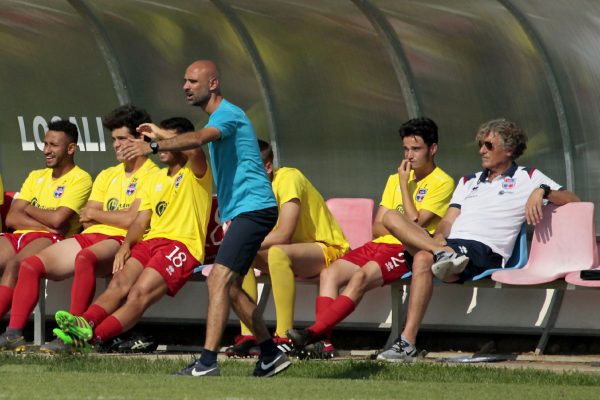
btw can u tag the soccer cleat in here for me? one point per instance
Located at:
(447, 264)
(196, 368)
(243, 346)
(283, 344)
(137, 344)
(56, 346)
(300, 338)
(12, 342)
(323, 349)
(74, 324)
(401, 351)
(75, 344)
(269, 366)
(110, 346)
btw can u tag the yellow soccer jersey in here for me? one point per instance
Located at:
(431, 193)
(315, 224)
(180, 207)
(117, 191)
(70, 190)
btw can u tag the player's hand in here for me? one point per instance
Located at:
(404, 171)
(533, 207)
(135, 148)
(121, 257)
(85, 215)
(152, 131)
(440, 241)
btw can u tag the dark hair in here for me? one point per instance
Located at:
(178, 124)
(423, 127)
(69, 129)
(126, 115)
(512, 136)
(266, 151)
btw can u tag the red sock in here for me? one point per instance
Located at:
(321, 305)
(27, 291)
(95, 315)
(339, 309)
(109, 328)
(6, 295)
(84, 283)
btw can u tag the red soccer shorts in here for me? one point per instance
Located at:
(86, 240)
(389, 257)
(20, 240)
(170, 258)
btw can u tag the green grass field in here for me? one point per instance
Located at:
(110, 377)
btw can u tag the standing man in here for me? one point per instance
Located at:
(110, 210)
(245, 198)
(306, 240)
(421, 192)
(44, 212)
(481, 226)
(174, 212)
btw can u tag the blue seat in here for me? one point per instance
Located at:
(517, 259)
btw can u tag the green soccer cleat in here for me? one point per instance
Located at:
(74, 325)
(74, 343)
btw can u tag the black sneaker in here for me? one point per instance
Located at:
(12, 342)
(196, 368)
(269, 366)
(137, 344)
(110, 346)
(300, 338)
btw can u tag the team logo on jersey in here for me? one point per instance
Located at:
(131, 188)
(112, 204)
(420, 195)
(178, 180)
(59, 191)
(400, 209)
(509, 183)
(161, 207)
(34, 202)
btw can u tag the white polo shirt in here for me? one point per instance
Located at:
(492, 212)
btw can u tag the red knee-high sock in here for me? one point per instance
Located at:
(109, 328)
(95, 315)
(339, 309)
(6, 295)
(27, 291)
(84, 283)
(321, 305)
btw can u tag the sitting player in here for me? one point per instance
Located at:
(421, 191)
(306, 240)
(176, 208)
(43, 212)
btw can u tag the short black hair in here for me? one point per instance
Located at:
(423, 127)
(126, 115)
(69, 129)
(178, 124)
(266, 151)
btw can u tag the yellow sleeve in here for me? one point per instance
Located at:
(26, 193)
(438, 197)
(100, 186)
(78, 193)
(145, 193)
(387, 199)
(289, 186)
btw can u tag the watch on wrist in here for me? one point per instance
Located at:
(154, 147)
(546, 189)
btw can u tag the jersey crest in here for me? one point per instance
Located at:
(178, 180)
(131, 188)
(509, 183)
(420, 195)
(59, 191)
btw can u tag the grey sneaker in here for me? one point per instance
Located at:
(56, 346)
(446, 264)
(12, 342)
(401, 351)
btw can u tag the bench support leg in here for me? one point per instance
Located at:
(550, 319)
(39, 317)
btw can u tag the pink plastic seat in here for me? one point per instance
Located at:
(355, 216)
(563, 242)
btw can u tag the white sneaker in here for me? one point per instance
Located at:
(447, 264)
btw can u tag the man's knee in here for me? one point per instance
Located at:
(359, 281)
(422, 262)
(139, 296)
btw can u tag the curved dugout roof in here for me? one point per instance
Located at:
(329, 81)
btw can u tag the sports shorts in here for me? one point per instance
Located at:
(20, 240)
(86, 240)
(330, 253)
(391, 258)
(481, 257)
(170, 258)
(243, 238)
